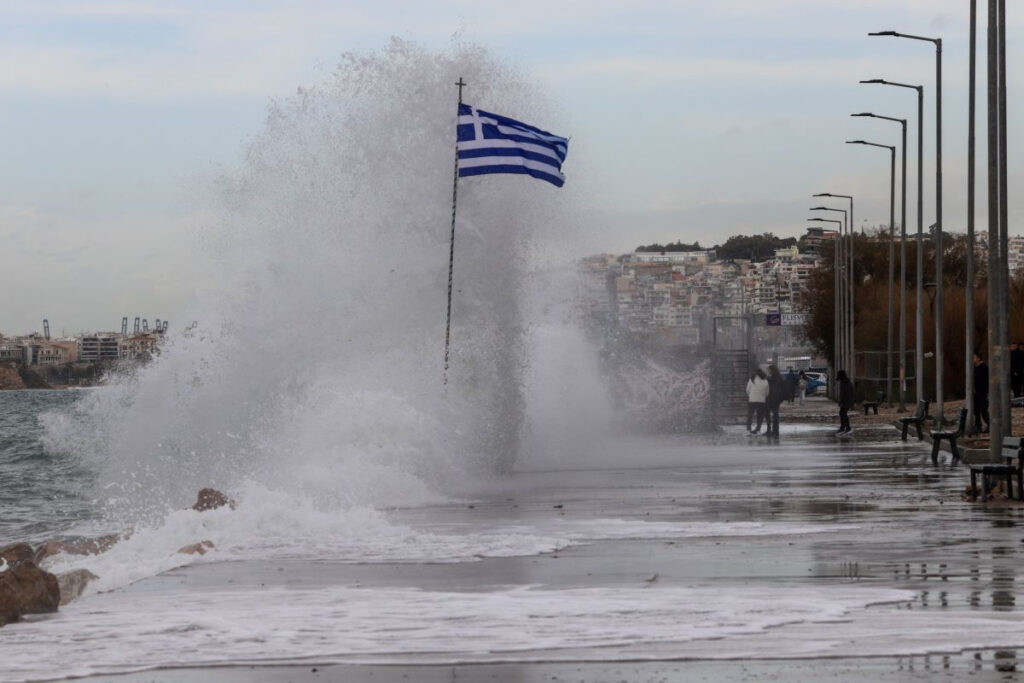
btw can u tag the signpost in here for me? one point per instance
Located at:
(785, 319)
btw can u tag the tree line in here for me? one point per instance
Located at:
(753, 247)
(871, 299)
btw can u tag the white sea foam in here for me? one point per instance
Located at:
(166, 627)
(270, 524)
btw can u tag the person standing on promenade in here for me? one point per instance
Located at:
(845, 401)
(776, 395)
(980, 393)
(801, 385)
(1016, 368)
(790, 379)
(757, 394)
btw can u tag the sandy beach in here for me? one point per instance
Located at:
(721, 558)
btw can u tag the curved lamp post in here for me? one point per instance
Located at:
(843, 286)
(919, 316)
(903, 260)
(937, 42)
(838, 310)
(839, 317)
(836, 305)
(892, 218)
(851, 281)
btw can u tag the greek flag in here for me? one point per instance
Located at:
(489, 143)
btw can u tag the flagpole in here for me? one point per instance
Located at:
(451, 248)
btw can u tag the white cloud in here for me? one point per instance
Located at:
(652, 71)
(82, 274)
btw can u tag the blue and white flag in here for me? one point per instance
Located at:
(489, 143)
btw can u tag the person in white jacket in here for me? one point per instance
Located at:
(757, 396)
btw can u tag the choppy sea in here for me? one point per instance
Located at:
(43, 493)
(648, 548)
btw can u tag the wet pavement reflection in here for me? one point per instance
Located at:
(919, 533)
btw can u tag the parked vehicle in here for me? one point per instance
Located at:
(816, 381)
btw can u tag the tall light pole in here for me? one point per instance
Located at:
(919, 317)
(841, 316)
(837, 355)
(998, 288)
(836, 309)
(969, 294)
(852, 280)
(839, 309)
(892, 220)
(937, 42)
(903, 263)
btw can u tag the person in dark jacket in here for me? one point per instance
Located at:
(845, 401)
(1016, 368)
(980, 393)
(791, 385)
(776, 395)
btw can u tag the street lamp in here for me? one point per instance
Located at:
(851, 281)
(841, 289)
(892, 219)
(919, 317)
(938, 208)
(838, 299)
(903, 260)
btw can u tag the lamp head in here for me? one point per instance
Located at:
(876, 80)
(822, 194)
(856, 142)
(884, 33)
(863, 113)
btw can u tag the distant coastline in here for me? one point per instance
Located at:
(16, 376)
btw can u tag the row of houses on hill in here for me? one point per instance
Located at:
(37, 350)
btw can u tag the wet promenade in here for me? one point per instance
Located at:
(805, 558)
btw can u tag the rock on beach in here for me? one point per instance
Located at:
(24, 587)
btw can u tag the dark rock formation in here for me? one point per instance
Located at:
(211, 499)
(32, 378)
(72, 584)
(24, 587)
(88, 546)
(10, 378)
(196, 548)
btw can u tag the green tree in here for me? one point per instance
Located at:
(678, 245)
(754, 247)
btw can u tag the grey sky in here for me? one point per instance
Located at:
(689, 120)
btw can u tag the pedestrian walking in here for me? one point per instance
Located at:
(757, 394)
(980, 393)
(845, 401)
(801, 384)
(776, 395)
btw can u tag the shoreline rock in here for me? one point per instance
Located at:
(24, 587)
(72, 584)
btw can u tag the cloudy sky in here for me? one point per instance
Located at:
(690, 120)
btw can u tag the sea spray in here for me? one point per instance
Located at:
(316, 371)
(568, 415)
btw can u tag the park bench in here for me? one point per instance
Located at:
(940, 436)
(879, 397)
(917, 419)
(1013, 466)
